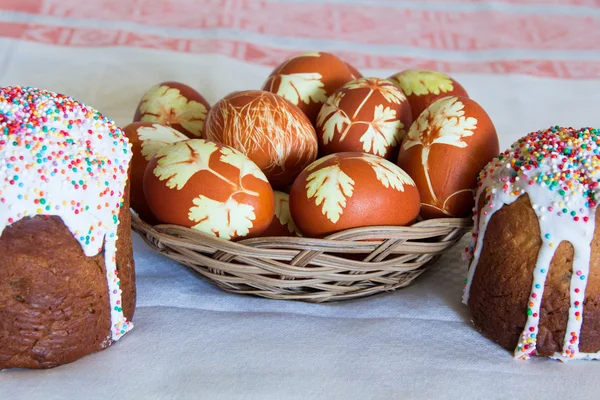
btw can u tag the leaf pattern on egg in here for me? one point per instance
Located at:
(155, 137)
(330, 186)
(235, 158)
(166, 105)
(332, 119)
(389, 174)
(390, 92)
(383, 132)
(421, 82)
(320, 161)
(222, 219)
(443, 122)
(179, 162)
(305, 87)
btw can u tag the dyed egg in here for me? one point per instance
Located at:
(308, 79)
(176, 105)
(444, 150)
(349, 190)
(368, 114)
(209, 187)
(282, 224)
(423, 87)
(146, 140)
(268, 129)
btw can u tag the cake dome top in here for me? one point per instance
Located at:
(564, 162)
(60, 157)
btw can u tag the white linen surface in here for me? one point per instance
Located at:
(192, 340)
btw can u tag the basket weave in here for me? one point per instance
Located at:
(349, 264)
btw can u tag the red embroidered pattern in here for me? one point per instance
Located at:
(391, 31)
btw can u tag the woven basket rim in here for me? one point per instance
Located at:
(424, 228)
(352, 263)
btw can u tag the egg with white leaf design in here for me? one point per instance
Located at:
(444, 150)
(367, 114)
(349, 190)
(308, 79)
(146, 139)
(176, 105)
(423, 87)
(209, 187)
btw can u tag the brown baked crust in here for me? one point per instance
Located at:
(125, 263)
(54, 303)
(502, 283)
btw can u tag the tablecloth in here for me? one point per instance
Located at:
(530, 64)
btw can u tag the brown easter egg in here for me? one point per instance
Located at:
(367, 114)
(209, 187)
(349, 190)
(176, 105)
(271, 131)
(146, 140)
(423, 87)
(444, 151)
(308, 79)
(282, 224)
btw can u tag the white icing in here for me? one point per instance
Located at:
(527, 341)
(555, 227)
(577, 356)
(47, 179)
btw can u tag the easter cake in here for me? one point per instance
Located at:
(67, 281)
(534, 281)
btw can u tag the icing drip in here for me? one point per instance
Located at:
(559, 169)
(61, 158)
(528, 339)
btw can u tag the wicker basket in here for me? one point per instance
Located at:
(349, 264)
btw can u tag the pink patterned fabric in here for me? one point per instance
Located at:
(558, 39)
